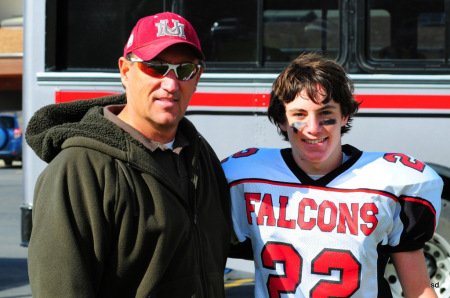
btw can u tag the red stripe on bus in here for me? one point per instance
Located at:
(199, 99)
(396, 101)
(230, 100)
(248, 100)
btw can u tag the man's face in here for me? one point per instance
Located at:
(156, 105)
(316, 143)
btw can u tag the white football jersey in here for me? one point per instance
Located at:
(331, 236)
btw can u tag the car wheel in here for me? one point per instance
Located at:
(8, 162)
(437, 256)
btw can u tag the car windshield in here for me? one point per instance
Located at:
(6, 122)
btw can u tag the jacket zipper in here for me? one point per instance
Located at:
(196, 228)
(192, 211)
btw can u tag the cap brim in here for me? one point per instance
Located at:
(151, 50)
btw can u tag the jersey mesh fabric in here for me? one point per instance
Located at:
(310, 239)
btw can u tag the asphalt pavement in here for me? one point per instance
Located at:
(14, 282)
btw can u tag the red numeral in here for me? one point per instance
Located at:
(341, 260)
(245, 153)
(346, 264)
(406, 160)
(274, 253)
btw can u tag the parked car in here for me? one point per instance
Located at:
(10, 137)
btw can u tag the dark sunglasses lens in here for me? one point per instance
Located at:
(161, 69)
(155, 71)
(186, 71)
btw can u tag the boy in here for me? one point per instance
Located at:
(323, 218)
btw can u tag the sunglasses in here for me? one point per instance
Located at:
(156, 69)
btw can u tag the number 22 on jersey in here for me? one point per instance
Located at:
(326, 261)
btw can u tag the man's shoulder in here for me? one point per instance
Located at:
(81, 158)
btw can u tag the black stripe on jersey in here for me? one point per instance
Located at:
(415, 234)
(384, 290)
(324, 188)
(410, 206)
(304, 178)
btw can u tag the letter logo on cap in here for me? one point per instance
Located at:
(164, 29)
(130, 41)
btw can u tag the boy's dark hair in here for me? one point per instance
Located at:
(306, 72)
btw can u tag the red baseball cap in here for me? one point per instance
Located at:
(153, 34)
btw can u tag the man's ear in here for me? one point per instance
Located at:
(124, 67)
(197, 78)
(283, 126)
(199, 75)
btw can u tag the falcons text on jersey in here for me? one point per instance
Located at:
(330, 236)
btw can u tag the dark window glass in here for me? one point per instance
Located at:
(227, 30)
(405, 30)
(258, 35)
(294, 27)
(91, 35)
(264, 33)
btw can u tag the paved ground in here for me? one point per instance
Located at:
(14, 281)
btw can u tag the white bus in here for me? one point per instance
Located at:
(397, 53)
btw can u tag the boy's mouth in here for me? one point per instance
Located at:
(314, 141)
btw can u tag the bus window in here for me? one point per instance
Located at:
(258, 35)
(227, 29)
(431, 34)
(287, 33)
(90, 35)
(402, 31)
(264, 33)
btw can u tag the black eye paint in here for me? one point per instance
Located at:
(298, 125)
(328, 122)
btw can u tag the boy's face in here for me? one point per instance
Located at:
(316, 140)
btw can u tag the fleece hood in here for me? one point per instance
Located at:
(81, 123)
(51, 126)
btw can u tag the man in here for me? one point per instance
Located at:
(134, 202)
(323, 218)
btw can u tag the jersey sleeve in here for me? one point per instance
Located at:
(417, 213)
(238, 213)
(237, 167)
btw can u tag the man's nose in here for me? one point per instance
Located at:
(170, 81)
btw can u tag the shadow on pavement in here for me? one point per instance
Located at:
(13, 273)
(242, 291)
